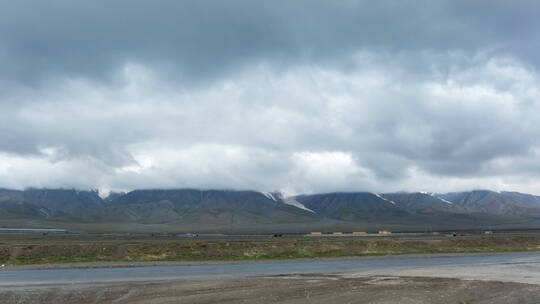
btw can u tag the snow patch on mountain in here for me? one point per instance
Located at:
(269, 196)
(448, 202)
(286, 199)
(442, 199)
(290, 200)
(384, 199)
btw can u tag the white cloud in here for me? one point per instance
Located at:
(374, 127)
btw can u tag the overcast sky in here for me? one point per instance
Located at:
(299, 96)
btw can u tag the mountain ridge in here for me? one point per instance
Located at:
(201, 208)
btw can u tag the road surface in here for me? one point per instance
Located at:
(519, 267)
(508, 278)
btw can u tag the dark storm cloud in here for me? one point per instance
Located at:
(203, 39)
(301, 95)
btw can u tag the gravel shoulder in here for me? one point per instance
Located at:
(291, 289)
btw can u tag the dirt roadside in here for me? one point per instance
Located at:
(286, 289)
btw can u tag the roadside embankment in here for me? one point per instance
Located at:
(56, 249)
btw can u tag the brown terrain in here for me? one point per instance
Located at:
(288, 289)
(25, 249)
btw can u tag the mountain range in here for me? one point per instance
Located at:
(253, 211)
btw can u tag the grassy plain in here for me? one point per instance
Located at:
(45, 249)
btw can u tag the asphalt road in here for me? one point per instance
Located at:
(518, 267)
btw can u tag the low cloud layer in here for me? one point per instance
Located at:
(294, 96)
